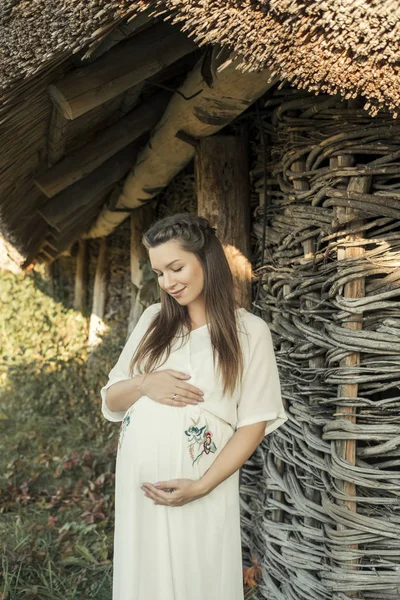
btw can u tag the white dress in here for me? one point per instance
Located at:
(191, 552)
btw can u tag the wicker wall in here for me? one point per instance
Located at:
(320, 497)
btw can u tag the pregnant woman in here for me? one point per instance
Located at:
(196, 388)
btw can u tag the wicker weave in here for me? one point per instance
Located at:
(309, 543)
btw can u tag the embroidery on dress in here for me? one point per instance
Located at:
(200, 440)
(125, 422)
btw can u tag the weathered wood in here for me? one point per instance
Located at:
(102, 146)
(76, 225)
(84, 192)
(80, 277)
(200, 109)
(57, 136)
(223, 197)
(346, 449)
(96, 325)
(126, 65)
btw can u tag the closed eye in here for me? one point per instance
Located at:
(175, 271)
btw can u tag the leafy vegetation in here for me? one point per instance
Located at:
(57, 454)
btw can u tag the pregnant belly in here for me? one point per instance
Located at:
(159, 442)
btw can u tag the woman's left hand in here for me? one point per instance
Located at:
(183, 491)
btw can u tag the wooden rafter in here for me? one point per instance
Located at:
(83, 193)
(101, 147)
(124, 66)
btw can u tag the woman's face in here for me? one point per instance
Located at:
(177, 271)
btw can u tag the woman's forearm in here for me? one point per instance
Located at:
(234, 454)
(121, 395)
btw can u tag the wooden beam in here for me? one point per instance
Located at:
(124, 66)
(223, 197)
(102, 146)
(80, 276)
(57, 137)
(200, 109)
(76, 226)
(82, 194)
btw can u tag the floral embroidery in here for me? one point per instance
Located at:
(200, 440)
(125, 422)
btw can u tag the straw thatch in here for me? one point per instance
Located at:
(332, 46)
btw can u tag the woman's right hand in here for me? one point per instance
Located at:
(161, 385)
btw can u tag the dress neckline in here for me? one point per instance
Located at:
(206, 324)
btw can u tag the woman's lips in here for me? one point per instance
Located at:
(178, 293)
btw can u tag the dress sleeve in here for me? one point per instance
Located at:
(260, 394)
(120, 371)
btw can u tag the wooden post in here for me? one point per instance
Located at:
(80, 277)
(96, 325)
(141, 277)
(346, 449)
(223, 197)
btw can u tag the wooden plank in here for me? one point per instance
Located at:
(124, 66)
(101, 147)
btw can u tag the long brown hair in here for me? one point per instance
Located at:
(194, 234)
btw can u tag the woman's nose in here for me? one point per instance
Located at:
(168, 282)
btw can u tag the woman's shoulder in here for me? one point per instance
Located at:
(152, 309)
(148, 314)
(254, 327)
(253, 321)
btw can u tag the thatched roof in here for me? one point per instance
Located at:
(334, 46)
(56, 56)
